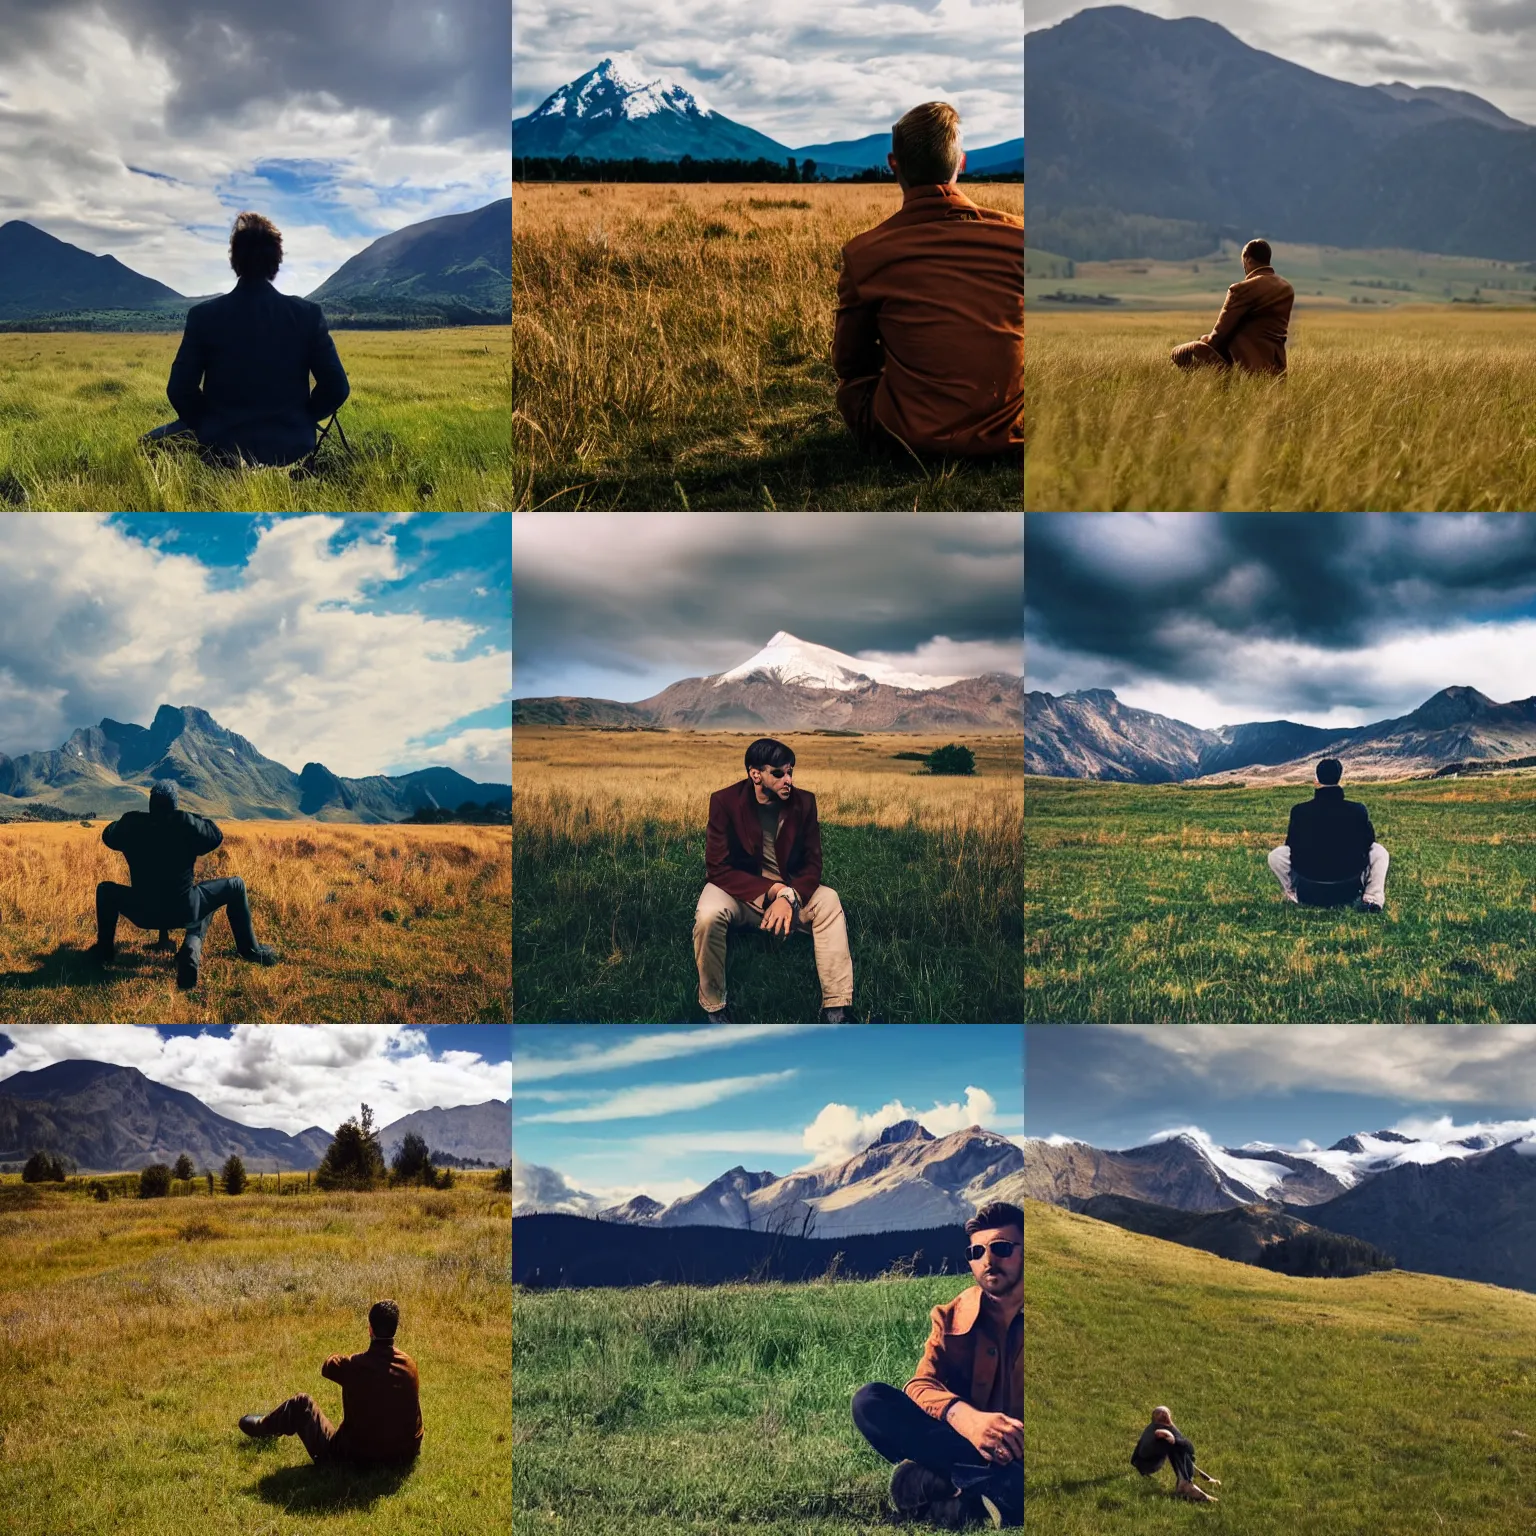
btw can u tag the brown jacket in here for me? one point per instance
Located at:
(1250, 330)
(931, 302)
(380, 1403)
(967, 1359)
(733, 845)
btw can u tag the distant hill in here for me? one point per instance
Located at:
(479, 1131)
(41, 275)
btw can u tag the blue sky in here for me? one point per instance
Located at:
(1118, 1086)
(663, 1111)
(369, 644)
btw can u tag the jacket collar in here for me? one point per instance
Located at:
(1259, 272)
(1328, 792)
(948, 194)
(751, 803)
(967, 1309)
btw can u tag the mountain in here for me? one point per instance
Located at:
(870, 152)
(1090, 734)
(479, 1131)
(994, 159)
(40, 275)
(639, 1209)
(1178, 119)
(454, 270)
(792, 684)
(109, 768)
(110, 1118)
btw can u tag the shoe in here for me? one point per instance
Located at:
(102, 956)
(164, 945)
(914, 1486)
(720, 1016)
(1195, 1495)
(263, 954)
(186, 970)
(1370, 906)
(251, 1424)
(835, 1016)
(955, 1514)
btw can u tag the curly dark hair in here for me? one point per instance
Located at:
(255, 247)
(384, 1319)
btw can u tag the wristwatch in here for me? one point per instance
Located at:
(791, 896)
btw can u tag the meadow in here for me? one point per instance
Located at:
(374, 924)
(608, 864)
(672, 348)
(135, 1333)
(661, 1410)
(427, 419)
(1396, 1403)
(1414, 409)
(1154, 904)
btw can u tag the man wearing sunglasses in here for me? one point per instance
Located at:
(762, 862)
(957, 1433)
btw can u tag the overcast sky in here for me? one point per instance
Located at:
(287, 1077)
(139, 129)
(1331, 619)
(610, 1113)
(614, 606)
(1123, 1085)
(801, 71)
(1487, 47)
(368, 644)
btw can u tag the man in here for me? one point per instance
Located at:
(240, 383)
(762, 865)
(929, 340)
(1161, 1441)
(380, 1404)
(161, 846)
(957, 1433)
(1330, 856)
(1250, 330)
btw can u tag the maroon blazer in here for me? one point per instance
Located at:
(733, 846)
(380, 1403)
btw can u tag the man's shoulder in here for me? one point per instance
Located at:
(729, 793)
(959, 1315)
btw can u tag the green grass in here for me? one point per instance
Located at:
(427, 417)
(1398, 1404)
(602, 928)
(131, 1342)
(1153, 903)
(658, 1411)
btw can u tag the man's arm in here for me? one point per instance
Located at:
(331, 386)
(718, 869)
(112, 835)
(1370, 831)
(1233, 313)
(857, 351)
(335, 1369)
(185, 389)
(809, 878)
(1290, 831)
(204, 835)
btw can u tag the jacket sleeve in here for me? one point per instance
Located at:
(185, 390)
(1290, 831)
(809, 877)
(335, 1369)
(205, 835)
(927, 1388)
(1370, 831)
(331, 386)
(857, 351)
(1233, 313)
(718, 869)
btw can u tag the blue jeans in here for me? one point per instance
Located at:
(900, 1431)
(114, 901)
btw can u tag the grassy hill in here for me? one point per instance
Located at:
(1153, 903)
(1395, 1403)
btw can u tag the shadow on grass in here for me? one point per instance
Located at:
(67, 965)
(1079, 1484)
(309, 1486)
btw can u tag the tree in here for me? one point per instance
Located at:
(952, 759)
(354, 1159)
(208, 1174)
(502, 1183)
(413, 1161)
(234, 1175)
(807, 170)
(43, 1168)
(792, 176)
(183, 1168)
(155, 1182)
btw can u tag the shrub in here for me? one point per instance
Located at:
(43, 1168)
(502, 1183)
(183, 1168)
(155, 1182)
(234, 1175)
(952, 760)
(444, 1179)
(99, 1191)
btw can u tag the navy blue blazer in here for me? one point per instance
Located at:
(241, 377)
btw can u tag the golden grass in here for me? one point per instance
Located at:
(1422, 409)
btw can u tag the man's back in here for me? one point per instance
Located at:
(252, 352)
(161, 849)
(1254, 322)
(380, 1403)
(933, 300)
(1329, 836)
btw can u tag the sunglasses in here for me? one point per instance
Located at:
(780, 773)
(998, 1250)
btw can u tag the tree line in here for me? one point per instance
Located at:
(642, 168)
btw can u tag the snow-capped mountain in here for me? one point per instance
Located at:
(789, 659)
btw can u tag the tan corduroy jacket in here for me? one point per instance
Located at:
(1251, 329)
(968, 1359)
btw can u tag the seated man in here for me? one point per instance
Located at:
(929, 339)
(958, 1432)
(762, 862)
(240, 382)
(1161, 1441)
(161, 846)
(380, 1404)
(1330, 856)
(1250, 331)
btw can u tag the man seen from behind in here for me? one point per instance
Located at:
(1330, 856)
(1251, 329)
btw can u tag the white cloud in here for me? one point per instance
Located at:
(662, 1099)
(483, 753)
(839, 1131)
(641, 1050)
(943, 657)
(285, 1076)
(536, 1187)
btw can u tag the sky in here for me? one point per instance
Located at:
(140, 129)
(1483, 46)
(368, 644)
(1125, 1085)
(613, 606)
(1330, 619)
(287, 1077)
(611, 1113)
(801, 71)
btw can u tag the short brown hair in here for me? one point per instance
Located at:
(255, 247)
(1258, 252)
(926, 143)
(384, 1319)
(998, 1214)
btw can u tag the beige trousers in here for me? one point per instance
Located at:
(821, 917)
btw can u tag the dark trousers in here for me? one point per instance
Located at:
(301, 1416)
(900, 1431)
(114, 901)
(1180, 1456)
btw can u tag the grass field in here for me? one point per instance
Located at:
(663, 1410)
(374, 924)
(672, 349)
(1395, 1403)
(1417, 409)
(427, 417)
(608, 863)
(1154, 904)
(134, 1334)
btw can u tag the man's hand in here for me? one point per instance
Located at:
(1166, 1434)
(779, 916)
(998, 1437)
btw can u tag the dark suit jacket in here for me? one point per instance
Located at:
(1329, 836)
(733, 845)
(1251, 329)
(161, 850)
(380, 1403)
(241, 378)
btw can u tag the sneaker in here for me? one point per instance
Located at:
(835, 1016)
(263, 954)
(720, 1016)
(956, 1514)
(914, 1486)
(102, 956)
(186, 970)
(1370, 906)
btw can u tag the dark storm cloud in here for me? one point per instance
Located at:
(1506, 16)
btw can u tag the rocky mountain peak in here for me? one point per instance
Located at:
(903, 1130)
